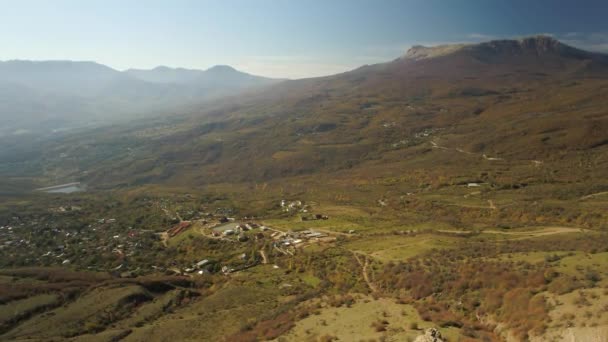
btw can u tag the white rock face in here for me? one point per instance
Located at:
(419, 52)
(430, 335)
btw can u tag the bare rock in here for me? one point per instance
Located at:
(430, 335)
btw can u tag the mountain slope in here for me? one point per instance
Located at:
(505, 113)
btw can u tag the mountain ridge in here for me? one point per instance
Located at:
(165, 74)
(539, 45)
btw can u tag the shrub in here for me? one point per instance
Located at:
(379, 326)
(593, 276)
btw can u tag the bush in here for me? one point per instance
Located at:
(593, 276)
(379, 326)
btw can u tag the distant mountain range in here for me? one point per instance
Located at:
(217, 76)
(55, 95)
(534, 99)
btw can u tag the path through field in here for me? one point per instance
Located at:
(594, 195)
(545, 231)
(364, 266)
(264, 258)
(526, 234)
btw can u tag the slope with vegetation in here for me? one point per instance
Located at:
(459, 187)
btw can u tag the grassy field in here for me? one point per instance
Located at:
(398, 247)
(366, 320)
(582, 314)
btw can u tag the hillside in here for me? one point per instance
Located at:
(523, 117)
(455, 187)
(488, 99)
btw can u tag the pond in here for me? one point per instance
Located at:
(64, 188)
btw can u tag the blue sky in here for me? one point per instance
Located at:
(279, 38)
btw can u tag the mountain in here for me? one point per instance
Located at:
(57, 95)
(61, 77)
(534, 102)
(530, 99)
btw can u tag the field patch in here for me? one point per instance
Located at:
(400, 247)
(367, 319)
(581, 315)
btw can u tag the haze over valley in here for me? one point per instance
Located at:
(42, 97)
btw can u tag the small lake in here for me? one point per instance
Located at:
(64, 188)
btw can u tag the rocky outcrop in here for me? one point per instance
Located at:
(505, 48)
(418, 52)
(430, 335)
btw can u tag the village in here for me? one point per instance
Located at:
(107, 244)
(101, 245)
(230, 229)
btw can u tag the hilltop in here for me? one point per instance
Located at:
(539, 46)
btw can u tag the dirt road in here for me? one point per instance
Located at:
(526, 234)
(364, 266)
(264, 258)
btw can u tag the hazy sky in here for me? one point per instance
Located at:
(278, 38)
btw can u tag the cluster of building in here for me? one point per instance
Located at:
(8, 237)
(204, 266)
(65, 209)
(51, 241)
(294, 206)
(295, 239)
(240, 228)
(427, 132)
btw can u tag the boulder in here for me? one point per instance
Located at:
(430, 335)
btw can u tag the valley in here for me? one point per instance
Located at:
(460, 188)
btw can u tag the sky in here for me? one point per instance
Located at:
(279, 38)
